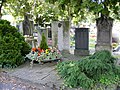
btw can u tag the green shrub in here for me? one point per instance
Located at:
(25, 48)
(12, 45)
(4, 22)
(43, 44)
(97, 70)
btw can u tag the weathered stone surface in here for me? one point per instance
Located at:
(54, 33)
(81, 41)
(104, 34)
(81, 52)
(44, 75)
(66, 35)
(60, 35)
(11, 83)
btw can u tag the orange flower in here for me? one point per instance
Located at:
(34, 49)
(39, 49)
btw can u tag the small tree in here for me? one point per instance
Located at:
(43, 44)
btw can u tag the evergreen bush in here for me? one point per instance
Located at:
(43, 44)
(97, 71)
(12, 45)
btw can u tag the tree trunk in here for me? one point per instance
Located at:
(104, 33)
(1, 4)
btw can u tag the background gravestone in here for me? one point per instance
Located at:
(66, 36)
(61, 35)
(104, 35)
(81, 41)
(54, 33)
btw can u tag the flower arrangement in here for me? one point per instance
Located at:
(39, 54)
(49, 54)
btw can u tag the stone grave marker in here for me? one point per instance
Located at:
(81, 41)
(60, 35)
(104, 35)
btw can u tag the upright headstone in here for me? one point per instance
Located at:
(81, 41)
(54, 33)
(60, 35)
(60, 42)
(66, 36)
(104, 34)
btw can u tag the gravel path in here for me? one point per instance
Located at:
(12, 83)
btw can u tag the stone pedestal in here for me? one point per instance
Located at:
(60, 35)
(31, 40)
(81, 41)
(104, 34)
(81, 52)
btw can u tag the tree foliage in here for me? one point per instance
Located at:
(37, 10)
(1, 5)
(18, 8)
(80, 7)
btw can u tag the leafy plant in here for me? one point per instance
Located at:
(43, 44)
(12, 45)
(96, 70)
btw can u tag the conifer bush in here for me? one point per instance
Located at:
(13, 47)
(43, 44)
(98, 70)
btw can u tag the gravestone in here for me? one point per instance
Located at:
(81, 41)
(60, 35)
(104, 34)
(66, 35)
